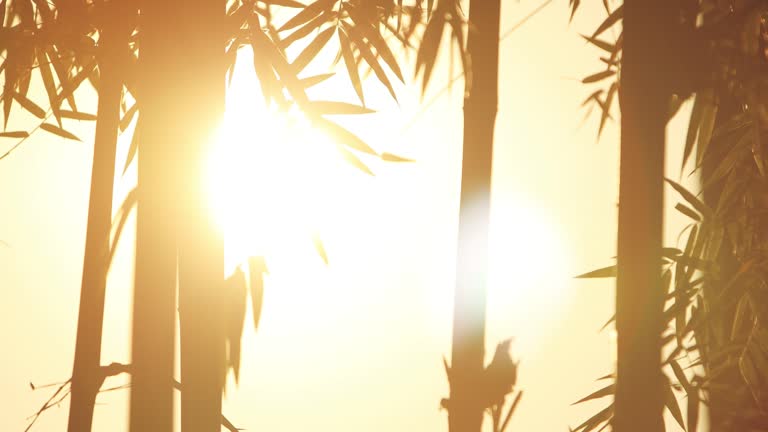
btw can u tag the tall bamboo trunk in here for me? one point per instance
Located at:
(480, 107)
(644, 99)
(86, 378)
(201, 246)
(154, 305)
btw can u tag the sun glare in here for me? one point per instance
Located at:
(270, 176)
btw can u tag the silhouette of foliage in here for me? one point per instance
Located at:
(715, 317)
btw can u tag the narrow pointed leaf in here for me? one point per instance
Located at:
(14, 134)
(58, 131)
(349, 62)
(612, 19)
(307, 14)
(389, 157)
(605, 272)
(77, 115)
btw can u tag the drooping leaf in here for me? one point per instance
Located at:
(315, 79)
(670, 401)
(14, 134)
(235, 294)
(30, 106)
(353, 160)
(128, 117)
(603, 392)
(369, 58)
(307, 14)
(596, 420)
(306, 29)
(336, 108)
(599, 76)
(606, 46)
(612, 19)
(320, 248)
(342, 136)
(284, 3)
(389, 157)
(50, 86)
(257, 268)
(311, 51)
(426, 57)
(605, 272)
(58, 131)
(77, 115)
(133, 148)
(349, 62)
(368, 31)
(691, 198)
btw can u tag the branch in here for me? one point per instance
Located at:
(113, 369)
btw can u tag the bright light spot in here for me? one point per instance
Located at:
(271, 176)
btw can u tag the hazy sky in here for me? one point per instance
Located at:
(358, 345)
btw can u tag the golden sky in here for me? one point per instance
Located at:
(357, 345)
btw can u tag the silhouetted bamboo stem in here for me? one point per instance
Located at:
(86, 368)
(201, 246)
(154, 306)
(480, 106)
(644, 98)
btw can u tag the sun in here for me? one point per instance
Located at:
(271, 175)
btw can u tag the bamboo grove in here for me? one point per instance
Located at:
(690, 318)
(708, 294)
(144, 74)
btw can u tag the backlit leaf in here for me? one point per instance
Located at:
(14, 134)
(58, 131)
(349, 62)
(612, 19)
(307, 14)
(605, 272)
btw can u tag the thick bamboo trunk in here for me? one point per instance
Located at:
(644, 97)
(201, 246)
(154, 308)
(480, 106)
(86, 378)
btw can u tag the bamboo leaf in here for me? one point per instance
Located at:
(671, 403)
(257, 268)
(603, 45)
(14, 134)
(354, 160)
(336, 108)
(612, 19)
(369, 58)
(77, 115)
(374, 37)
(691, 198)
(349, 62)
(603, 392)
(342, 136)
(599, 76)
(50, 86)
(684, 209)
(133, 148)
(58, 131)
(605, 272)
(426, 56)
(306, 29)
(30, 106)
(320, 248)
(389, 157)
(311, 51)
(128, 117)
(307, 14)
(284, 3)
(594, 421)
(315, 80)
